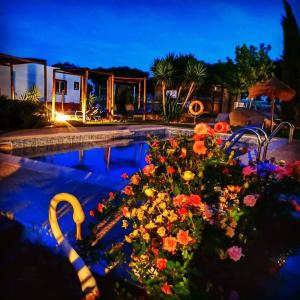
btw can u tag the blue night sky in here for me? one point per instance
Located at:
(123, 32)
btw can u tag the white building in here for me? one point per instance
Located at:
(27, 75)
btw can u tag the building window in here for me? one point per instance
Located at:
(60, 86)
(76, 85)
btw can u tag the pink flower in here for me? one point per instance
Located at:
(250, 200)
(248, 171)
(235, 253)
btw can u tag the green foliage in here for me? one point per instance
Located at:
(21, 114)
(33, 94)
(172, 109)
(91, 100)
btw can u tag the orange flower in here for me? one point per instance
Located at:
(199, 137)
(179, 200)
(194, 200)
(174, 143)
(148, 158)
(161, 263)
(182, 211)
(124, 176)
(201, 128)
(125, 211)
(128, 190)
(221, 127)
(183, 152)
(169, 244)
(166, 289)
(199, 147)
(162, 159)
(183, 237)
(135, 179)
(100, 207)
(149, 170)
(170, 170)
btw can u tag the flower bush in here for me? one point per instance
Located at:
(192, 199)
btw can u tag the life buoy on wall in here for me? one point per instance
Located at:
(196, 108)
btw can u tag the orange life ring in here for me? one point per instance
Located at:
(193, 108)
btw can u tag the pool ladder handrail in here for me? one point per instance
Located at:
(275, 131)
(236, 136)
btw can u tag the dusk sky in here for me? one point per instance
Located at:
(132, 33)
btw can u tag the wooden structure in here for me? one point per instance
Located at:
(140, 81)
(10, 61)
(86, 74)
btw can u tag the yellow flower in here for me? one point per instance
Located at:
(128, 239)
(140, 214)
(162, 205)
(200, 174)
(151, 210)
(133, 212)
(188, 175)
(146, 237)
(135, 233)
(124, 224)
(149, 192)
(165, 213)
(172, 217)
(159, 219)
(144, 207)
(246, 185)
(162, 196)
(150, 225)
(161, 231)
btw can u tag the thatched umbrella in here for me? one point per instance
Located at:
(274, 89)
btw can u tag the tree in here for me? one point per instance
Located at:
(163, 72)
(291, 63)
(194, 75)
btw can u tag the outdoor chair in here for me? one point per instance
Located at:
(90, 114)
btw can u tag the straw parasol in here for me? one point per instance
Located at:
(274, 89)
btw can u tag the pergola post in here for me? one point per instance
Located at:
(53, 96)
(145, 97)
(112, 95)
(108, 91)
(46, 89)
(12, 82)
(84, 99)
(139, 96)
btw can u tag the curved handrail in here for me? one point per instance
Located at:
(275, 131)
(240, 132)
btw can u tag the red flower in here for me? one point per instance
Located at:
(111, 195)
(161, 263)
(194, 200)
(170, 170)
(92, 213)
(135, 179)
(166, 289)
(125, 211)
(225, 171)
(182, 211)
(100, 207)
(148, 158)
(154, 144)
(124, 176)
(199, 137)
(219, 141)
(199, 147)
(295, 205)
(149, 170)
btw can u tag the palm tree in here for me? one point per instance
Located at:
(194, 75)
(163, 71)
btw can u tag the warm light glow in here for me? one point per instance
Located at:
(61, 117)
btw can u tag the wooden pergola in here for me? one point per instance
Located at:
(139, 81)
(10, 61)
(84, 74)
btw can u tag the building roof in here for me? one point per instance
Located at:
(6, 59)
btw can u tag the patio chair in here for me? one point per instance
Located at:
(90, 114)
